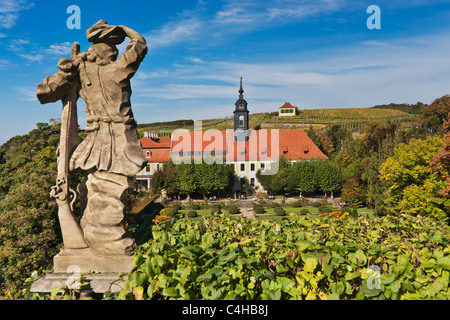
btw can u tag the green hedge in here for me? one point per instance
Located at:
(302, 257)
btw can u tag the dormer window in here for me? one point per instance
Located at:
(241, 106)
(149, 154)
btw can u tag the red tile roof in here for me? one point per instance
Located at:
(292, 144)
(287, 105)
(160, 142)
(159, 155)
(158, 147)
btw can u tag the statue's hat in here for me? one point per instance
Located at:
(103, 32)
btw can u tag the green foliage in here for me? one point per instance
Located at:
(171, 212)
(354, 212)
(413, 188)
(195, 206)
(204, 178)
(279, 211)
(316, 204)
(325, 209)
(304, 211)
(258, 209)
(192, 214)
(29, 230)
(295, 204)
(432, 117)
(215, 208)
(233, 209)
(297, 258)
(316, 175)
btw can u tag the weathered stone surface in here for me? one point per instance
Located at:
(99, 283)
(110, 155)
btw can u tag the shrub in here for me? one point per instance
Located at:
(274, 205)
(233, 209)
(325, 209)
(195, 206)
(258, 209)
(280, 211)
(171, 212)
(192, 214)
(295, 204)
(216, 208)
(316, 204)
(346, 209)
(355, 212)
(304, 211)
(176, 206)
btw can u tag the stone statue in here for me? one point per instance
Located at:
(110, 155)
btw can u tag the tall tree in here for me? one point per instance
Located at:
(441, 161)
(433, 116)
(411, 186)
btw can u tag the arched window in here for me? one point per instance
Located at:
(149, 154)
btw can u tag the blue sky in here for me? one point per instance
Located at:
(312, 53)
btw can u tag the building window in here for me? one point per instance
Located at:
(252, 167)
(147, 168)
(241, 121)
(263, 166)
(157, 167)
(242, 181)
(149, 154)
(242, 166)
(252, 182)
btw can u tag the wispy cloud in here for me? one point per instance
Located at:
(18, 44)
(10, 11)
(33, 57)
(236, 17)
(59, 49)
(26, 93)
(359, 75)
(175, 33)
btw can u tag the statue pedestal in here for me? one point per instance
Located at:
(71, 264)
(98, 283)
(85, 260)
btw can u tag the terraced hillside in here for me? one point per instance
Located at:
(353, 118)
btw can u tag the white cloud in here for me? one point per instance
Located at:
(236, 17)
(174, 33)
(360, 75)
(10, 11)
(59, 49)
(33, 57)
(4, 63)
(17, 44)
(26, 93)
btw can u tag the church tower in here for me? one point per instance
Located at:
(241, 112)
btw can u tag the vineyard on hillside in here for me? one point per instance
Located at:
(350, 118)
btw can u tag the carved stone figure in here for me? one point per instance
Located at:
(110, 155)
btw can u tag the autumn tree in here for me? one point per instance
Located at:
(432, 117)
(412, 187)
(441, 161)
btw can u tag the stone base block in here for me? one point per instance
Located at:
(98, 283)
(84, 260)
